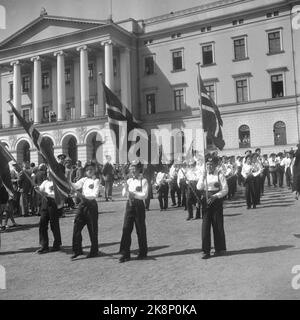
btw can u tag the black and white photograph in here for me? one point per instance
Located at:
(149, 151)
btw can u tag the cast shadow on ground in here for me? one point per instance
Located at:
(233, 215)
(228, 253)
(258, 250)
(65, 249)
(21, 227)
(297, 236)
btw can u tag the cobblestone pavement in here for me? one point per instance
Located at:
(263, 246)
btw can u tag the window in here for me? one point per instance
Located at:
(45, 114)
(11, 91)
(239, 48)
(279, 133)
(210, 88)
(92, 107)
(274, 40)
(26, 114)
(70, 111)
(150, 103)
(244, 136)
(115, 66)
(179, 99)
(25, 84)
(68, 76)
(277, 86)
(45, 80)
(177, 57)
(242, 90)
(149, 65)
(207, 54)
(11, 120)
(91, 71)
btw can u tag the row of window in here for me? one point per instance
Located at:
(241, 87)
(49, 116)
(279, 131)
(240, 52)
(26, 80)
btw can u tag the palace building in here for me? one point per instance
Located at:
(249, 52)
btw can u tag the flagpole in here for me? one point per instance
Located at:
(26, 174)
(203, 134)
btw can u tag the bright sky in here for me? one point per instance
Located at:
(21, 12)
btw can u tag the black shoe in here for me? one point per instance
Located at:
(173, 205)
(124, 259)
(92, 255)
(219, 253)
(42, 250)
(196, 218)
(188, 219)
(141, 257)
(206, 256)
(75, 255)
(248, 207)
(54, 249)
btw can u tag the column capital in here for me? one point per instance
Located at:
(16, 62)
(107, 42)
(84, 47)
(58, 53)
(36, 58)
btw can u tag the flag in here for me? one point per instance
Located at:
(5, 171)
(62, 187)
(212, 121)
(118, 115)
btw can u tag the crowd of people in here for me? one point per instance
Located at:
(194, 184)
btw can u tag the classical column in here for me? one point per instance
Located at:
(84, 81)
(37, 89)
(99, 67)
(126, 78)
(108, 62)
(16, 89)
(61, 85)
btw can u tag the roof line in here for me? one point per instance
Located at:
(49, 17)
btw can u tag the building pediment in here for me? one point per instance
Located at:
(47, 27)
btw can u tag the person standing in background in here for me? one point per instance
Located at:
(108, 176)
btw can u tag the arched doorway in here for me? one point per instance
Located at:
(23, 151)
(93, 143)
(279, 133)
(244, 136)
(69, 147)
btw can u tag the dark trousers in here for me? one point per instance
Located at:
(250, 191)
(288, 177)
(213, 217)
(50, 213)
(183, 191)
(108, 189)
(174, 189)
(257, 189)
(163, 192)
(134, 215)
(192, 199)
(86, 214)
(266, 174)
(231, 182)
(240, 178)
(280, 174)
(274, 177)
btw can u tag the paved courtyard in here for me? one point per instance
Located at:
(263, 246)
